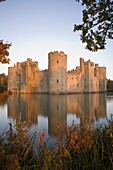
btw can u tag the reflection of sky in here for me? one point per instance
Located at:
(110, 106)
(42, 123)
(3, 117)
(38, 27)
(71, 118)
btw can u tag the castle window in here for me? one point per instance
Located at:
(72, 78)
(57, 61)
(57, 80)
(77, 85)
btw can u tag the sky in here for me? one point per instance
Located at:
(37, 27)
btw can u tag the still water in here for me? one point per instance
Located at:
(49, 111)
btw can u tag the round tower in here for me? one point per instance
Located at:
(57, 66)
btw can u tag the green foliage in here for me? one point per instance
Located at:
(4, 47)
(2, 0)
(97, 23)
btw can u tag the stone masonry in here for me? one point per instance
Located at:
(25, 77)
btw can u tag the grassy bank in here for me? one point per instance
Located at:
(76, 148)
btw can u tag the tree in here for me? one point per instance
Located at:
(2, 0)
(97, 23)
(4, 52)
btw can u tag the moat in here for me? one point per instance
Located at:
(49, 111)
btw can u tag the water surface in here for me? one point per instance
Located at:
(49, 111)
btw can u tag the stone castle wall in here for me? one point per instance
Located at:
(26, 77)
(57, 72)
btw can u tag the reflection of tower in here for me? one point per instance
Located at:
(27, 105)
(57, 72)
(102, 107)
(14, 107)
(57, 113)
(88, 103)
(87, 106)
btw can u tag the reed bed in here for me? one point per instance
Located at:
(76, 148)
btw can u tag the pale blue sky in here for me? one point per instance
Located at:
(36, 27)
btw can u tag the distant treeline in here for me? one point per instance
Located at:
(3, 82)
(110, 85)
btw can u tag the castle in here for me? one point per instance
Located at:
(25, 77)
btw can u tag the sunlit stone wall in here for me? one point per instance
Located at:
(13, 79)
(86, 78)
(25, 77)
(100, 73)
(57, 72)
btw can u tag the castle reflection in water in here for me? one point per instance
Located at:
(86, 107)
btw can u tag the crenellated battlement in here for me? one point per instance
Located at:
(57, 54)
(25, 77)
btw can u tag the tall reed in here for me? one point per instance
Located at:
(81, 148)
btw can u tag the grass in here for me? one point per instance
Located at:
(77, 148)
